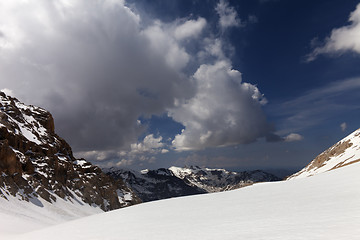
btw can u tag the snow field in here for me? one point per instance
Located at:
(325, 206)
(18, 216)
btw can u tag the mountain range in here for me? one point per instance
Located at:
(164, 183)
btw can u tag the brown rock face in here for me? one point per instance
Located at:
(8, 161)
(35, 162)
(334, 151)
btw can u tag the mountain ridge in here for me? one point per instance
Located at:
(164, 183)
(36, 163)
(343, 153)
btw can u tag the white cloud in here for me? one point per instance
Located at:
(149, 144)
(191, 28)
(292, 137)
(93, 64)
(224, 111)
(165, 44)
(139, 152)
(343, 126)
(342, 39)
(164, 151)
(98, 68)
(228, 15)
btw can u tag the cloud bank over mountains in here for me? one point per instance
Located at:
(98, 67)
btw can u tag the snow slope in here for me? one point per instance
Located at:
(325, 206)
(343, 153)
(21, 216)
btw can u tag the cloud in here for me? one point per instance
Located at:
(98, 67)
(343, 126)
(318, 106)
(341, 39)
(161, 41)
(93, 65)
(292, 137)
(142, 151)
(224, 111)
(228, 15)
(149, 144)
(190, 28)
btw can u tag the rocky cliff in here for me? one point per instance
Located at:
(36, 163)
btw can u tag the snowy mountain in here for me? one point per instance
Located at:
(38, 167)
(344, 152)
(164, 183)
(325, 206)
(217, 180)
(150, 185)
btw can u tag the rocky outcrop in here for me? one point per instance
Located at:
(343, 153)
(36, 163)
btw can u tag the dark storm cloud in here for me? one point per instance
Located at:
(98, 68)
(89, 64)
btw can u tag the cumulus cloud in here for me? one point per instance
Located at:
(142, 151)
(92, 64)
(228, 15)
(99, 68)
(161, 41)
(343, 126)
(224, 111)
(149, 144)
(342, 39)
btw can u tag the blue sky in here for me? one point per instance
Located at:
(233, 84)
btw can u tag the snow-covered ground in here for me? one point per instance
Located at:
(18, 217)
(324, 206)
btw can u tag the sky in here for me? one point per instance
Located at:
(246, 84)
